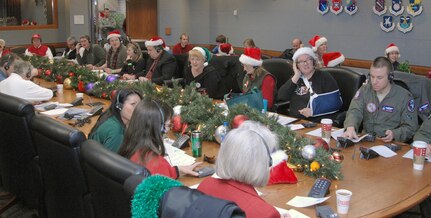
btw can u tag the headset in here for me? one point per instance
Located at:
(266, 146)
(162, 120)
(8, 62)
(391, 75)
(158, 48)
(118, 104)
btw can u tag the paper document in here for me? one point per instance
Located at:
(55, 112)
(176, 156)
(283, 120)
(299, 201)
(292, 212)
(383, 151)
(409, 155)
(295, 126)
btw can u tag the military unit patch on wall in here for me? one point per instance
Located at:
(405, 22)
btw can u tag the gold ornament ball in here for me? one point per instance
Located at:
(67, 83)
(337, 156)
(314, 166)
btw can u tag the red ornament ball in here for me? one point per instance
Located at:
(81, 86)
(59, 79)
(238, 120)
(319, 142)
(104, 95)
(48, 72)
(337, 156)
(177, 125)
(71, 74)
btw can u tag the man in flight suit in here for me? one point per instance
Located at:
(385, 109)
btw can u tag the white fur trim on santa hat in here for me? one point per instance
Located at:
(319, 42)
(391, 49)
(251, 61)
(278, 157)
(154, 43)
(202, 51)
(304, 50)
(336, 61)
(113, 35)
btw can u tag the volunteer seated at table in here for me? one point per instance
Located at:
(117, 53)
(110, 127)
(384, 109)
(143, 141)
(38, 49)
(204, 75)
(161, 65)
(92, 56)
(18, 84)
(239, 176)
(6, 65)
(135, 63)
(424, 134)
(256, 76)
(297, 89)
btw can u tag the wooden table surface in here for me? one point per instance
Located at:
(381, 187)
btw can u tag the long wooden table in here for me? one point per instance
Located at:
(381, 187)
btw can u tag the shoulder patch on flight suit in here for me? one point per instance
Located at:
(411, 106)
(423, 107)
(371, 107)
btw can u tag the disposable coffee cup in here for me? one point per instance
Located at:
(419, 152)
(326, 125)
(79, 95)
(60, 88)
(343, 200)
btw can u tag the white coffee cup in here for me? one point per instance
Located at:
(60, 88)
(326, 125)
(419, 152)
(343, 200)
(79, 95)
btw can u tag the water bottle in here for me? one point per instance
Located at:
(224, 130)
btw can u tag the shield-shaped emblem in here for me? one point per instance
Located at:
(351, 7)
(387, 24)
(323, 8)
(406, 24)
(380, 7)
(337, 6)
(397, 7)
(414, 8)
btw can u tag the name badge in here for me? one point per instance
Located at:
(389, 109)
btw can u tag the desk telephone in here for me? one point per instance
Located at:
(181, 142)
(320, 188)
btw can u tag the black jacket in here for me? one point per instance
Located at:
(209, 79)
(165, 69)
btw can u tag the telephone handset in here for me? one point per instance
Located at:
(181, 142)
(320, 188)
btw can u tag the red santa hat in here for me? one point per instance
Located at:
(317, 41)
(251, 57)
(157, 41)
(225, 49)
(332, 59)
(280, 172)
(304, 50)
(115, 33)
(392, 47)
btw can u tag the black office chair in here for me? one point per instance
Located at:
(111, 179)
(65, 190)
(182, 62)
(230, 70)
(348, 82)
(282, 71)
(19, 169)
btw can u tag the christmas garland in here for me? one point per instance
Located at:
(195, 111)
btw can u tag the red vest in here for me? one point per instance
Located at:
(41, 51)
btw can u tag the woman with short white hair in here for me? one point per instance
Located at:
(243, 163)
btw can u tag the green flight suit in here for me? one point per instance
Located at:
(396, 112)
(424, 132)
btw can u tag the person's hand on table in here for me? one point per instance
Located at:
(306, 112)
(143, 79)
(350, 133)
(108, 70)
(189, 169)
(389, 136)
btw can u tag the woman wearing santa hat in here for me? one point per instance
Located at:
(257, 76)
(117, 53)
(225, 49)
(393, 53)
(306, 78)
(205, 76)
(319, 45)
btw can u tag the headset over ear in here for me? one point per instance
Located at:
(266, 147)
(8, 62)
(118, 104)
(162, 120)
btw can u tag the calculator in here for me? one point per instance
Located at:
(320, 188)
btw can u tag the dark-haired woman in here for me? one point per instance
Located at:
(143, 141)
(109, 129)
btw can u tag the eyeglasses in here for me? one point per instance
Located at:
(303, 63)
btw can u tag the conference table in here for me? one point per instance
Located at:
(381, 187)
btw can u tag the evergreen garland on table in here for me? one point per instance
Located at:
(198, 111)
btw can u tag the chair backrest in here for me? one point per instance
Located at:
(348, 82)
(280, 68)
(19, 170)
(230, 70)
(65, 189)
(18, 50)
(107, 173)
(182, 60)
(402, 84)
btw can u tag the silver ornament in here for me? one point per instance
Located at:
(225, 113)
(177, 110)
(220, 133)
(309, 152)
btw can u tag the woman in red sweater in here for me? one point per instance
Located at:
(143, 141)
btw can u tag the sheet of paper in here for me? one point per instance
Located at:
(337, 133)
(317, 132)
(359, 139)
(295, 126)
(409, 155)
(195, 186)
(176, 156)
(292, 212)
(299, 201)
(383, 151)
(283, 120)
(55, 112)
